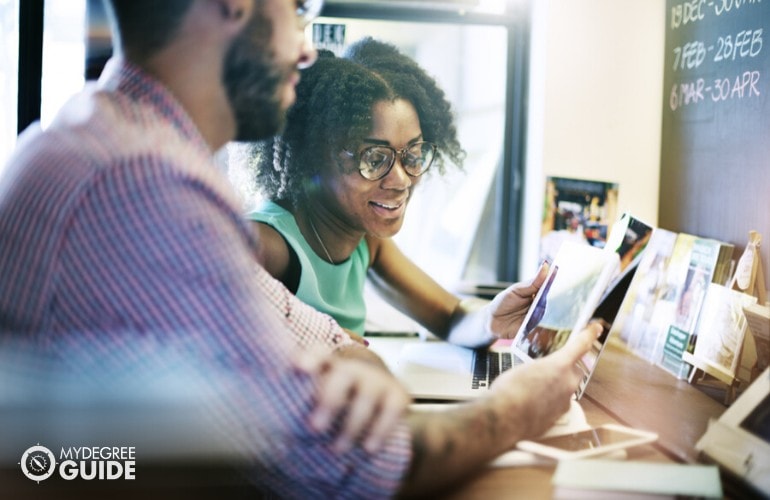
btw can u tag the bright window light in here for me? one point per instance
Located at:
(9, 75)
(64, 55)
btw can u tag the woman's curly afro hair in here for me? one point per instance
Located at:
(333, 110)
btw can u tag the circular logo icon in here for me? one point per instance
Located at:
(38, 463)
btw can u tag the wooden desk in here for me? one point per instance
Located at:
(642, 395)
(627, 390)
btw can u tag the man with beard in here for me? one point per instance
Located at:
(117, 231)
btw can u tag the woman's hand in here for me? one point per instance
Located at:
(508, 308)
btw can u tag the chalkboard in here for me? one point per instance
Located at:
(715, 148)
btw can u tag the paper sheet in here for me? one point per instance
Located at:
(599, 475)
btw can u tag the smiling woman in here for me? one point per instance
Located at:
(363, 131)
(458, 228)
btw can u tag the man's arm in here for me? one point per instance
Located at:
(523, 403)
(370, 399)
(360, 352)
(182, 272)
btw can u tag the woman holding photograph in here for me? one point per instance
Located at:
(365, 129)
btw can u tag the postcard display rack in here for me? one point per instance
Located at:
(748, 282)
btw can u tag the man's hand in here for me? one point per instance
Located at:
(522, 403)
(542, 390)
(356, 337)
(508, 308)
(370, 399)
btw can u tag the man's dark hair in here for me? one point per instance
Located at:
(333, 111)
(145, 26)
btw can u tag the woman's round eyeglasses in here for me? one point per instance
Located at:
(375, 162)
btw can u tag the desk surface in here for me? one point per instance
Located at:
(627, 390)
(642, 395)
(624, 389)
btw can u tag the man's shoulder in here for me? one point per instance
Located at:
(97, 128)
(104, 139)
(101, 133)
(107, 124)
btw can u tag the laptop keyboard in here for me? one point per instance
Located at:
(487, 365)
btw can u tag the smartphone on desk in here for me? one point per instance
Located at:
(588, 443)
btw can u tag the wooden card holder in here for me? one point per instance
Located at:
(749, 279)
(758, 316)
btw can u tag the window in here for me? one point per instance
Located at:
(64, 42)
(41, 63)
(9, 65)
(459, 227)
(454, 224)
(445, 211)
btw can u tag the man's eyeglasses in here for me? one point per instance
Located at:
(375, 162)
(307, 10)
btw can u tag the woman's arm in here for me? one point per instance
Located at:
(469, 322)
(273, 253)
(275, 257)
(408, 288)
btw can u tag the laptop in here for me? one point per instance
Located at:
(437, 370)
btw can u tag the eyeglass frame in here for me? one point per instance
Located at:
(308, 10)
(397, 153)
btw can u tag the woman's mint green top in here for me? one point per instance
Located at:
(336, 289)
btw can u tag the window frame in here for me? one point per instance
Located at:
(511, 178)
(30, 76)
